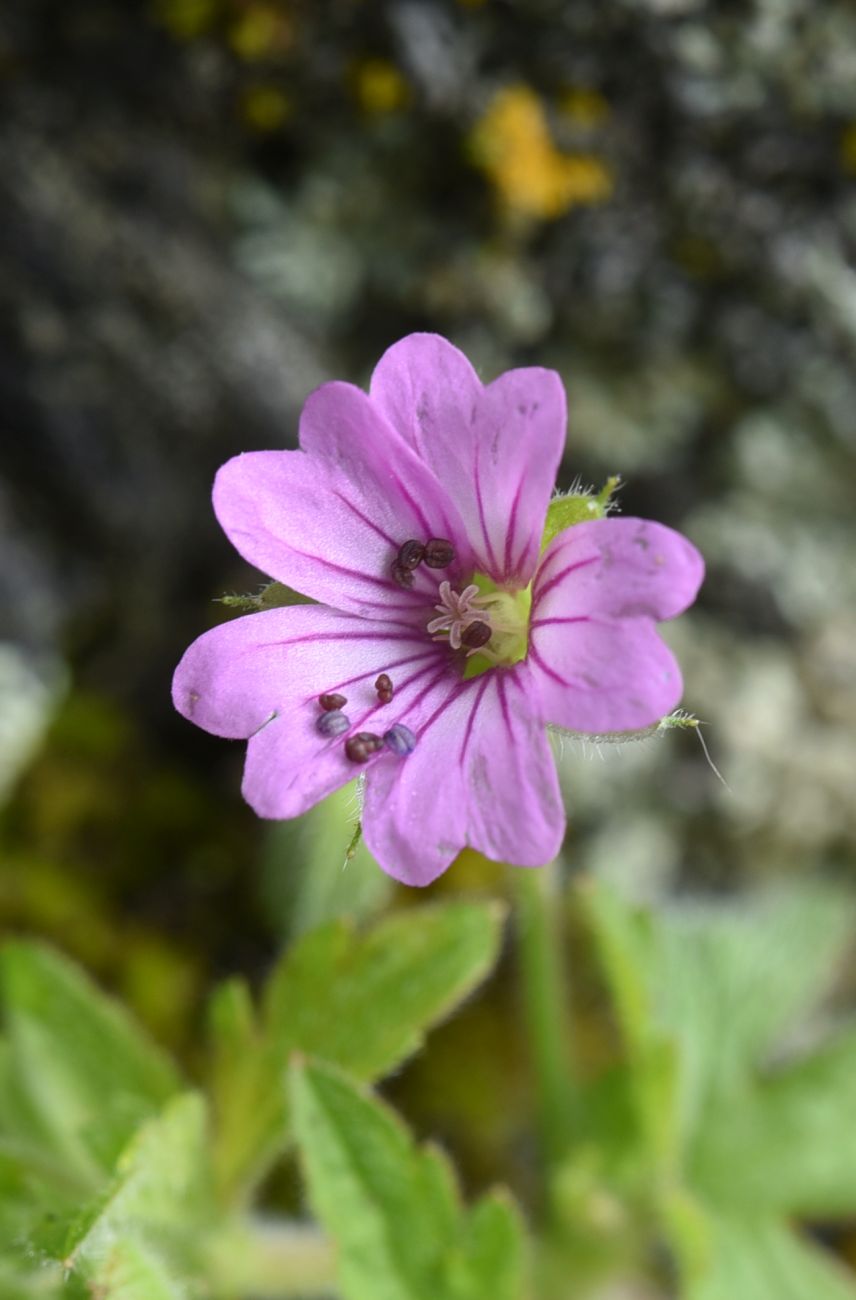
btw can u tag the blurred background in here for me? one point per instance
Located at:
(211, 206)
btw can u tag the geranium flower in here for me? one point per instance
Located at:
(481, 654)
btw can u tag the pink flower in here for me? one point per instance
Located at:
(482, 653)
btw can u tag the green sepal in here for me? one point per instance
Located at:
(578, 507)
(274, 595)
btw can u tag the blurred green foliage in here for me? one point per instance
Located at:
(108, 1162)
(713, 1124)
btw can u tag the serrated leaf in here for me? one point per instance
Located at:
(722, 987)
(365, 1002)
(393, 1208)
(31, 1284)
(160, 1197)
(130, 1272)
(78, 1076)
(724, 984)
(361, 1001)
(494, 1263)
(788, 1143)
(733, 981)
(759, 1259)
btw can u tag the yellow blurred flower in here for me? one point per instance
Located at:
(380, 87)
(261, 30)
(186, 18)
(265, 108)
(513, 145)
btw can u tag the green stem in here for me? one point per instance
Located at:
(271, 1260)
(545, 998)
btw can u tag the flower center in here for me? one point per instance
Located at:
(490, 624)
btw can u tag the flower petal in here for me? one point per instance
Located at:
(482, 775)
(518, 440)
(328, 520)
(495, 449)
(593, 647)
(623, 568)
(259, 677)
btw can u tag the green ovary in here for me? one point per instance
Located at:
(508, 615)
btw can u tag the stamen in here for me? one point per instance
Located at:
(385, 689)
(332, 701)
(333, 723)
(476, 634)
(411, 555)
(360, 747)
(400, 740)
(403, 576)
(458, 612)
(439, 553)
(484, 620)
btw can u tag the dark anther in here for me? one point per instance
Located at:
(476, 634)
(411, 555)
(385, 689)
(400, 740)
(333, 723)
(439, 553)
(404, 577)
(360, 747)
(332, 701)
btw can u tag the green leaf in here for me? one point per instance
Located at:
(22, 1283)
(77, 1075)
(722, 985)
(159, 1199)
(719, 988)
(732, 982)
(789, 1143)
(494, 1262)
(393, 1208)
(759, 1259)
(364, 1002)
(361, 1001)
(131, 1272)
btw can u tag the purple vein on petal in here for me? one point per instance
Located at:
(480, 503)
(414, 505)
(551, 672)
(370, 523)
(400, 687)
(329, 636)
(386, 583)
(546, 622)
(453, 695)
(472, 716)
(503, 706)
(512, 526)
(564, 573)
(373, 672)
